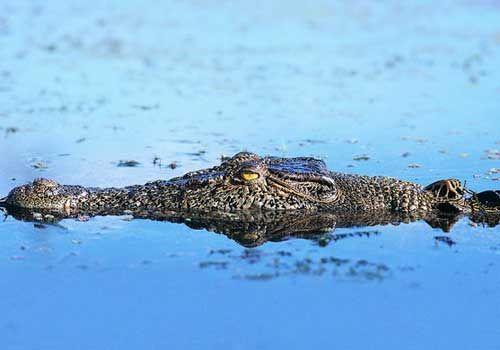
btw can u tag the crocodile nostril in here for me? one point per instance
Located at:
(44, 182)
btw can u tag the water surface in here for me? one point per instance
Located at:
(408, 89)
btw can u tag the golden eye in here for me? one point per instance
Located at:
(249, 176)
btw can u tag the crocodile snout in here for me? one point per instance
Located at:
(41, 193)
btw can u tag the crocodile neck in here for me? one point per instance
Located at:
(358, 192)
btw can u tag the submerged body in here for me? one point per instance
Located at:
(249, 182)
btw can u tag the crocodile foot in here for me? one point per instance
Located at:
(449, 189)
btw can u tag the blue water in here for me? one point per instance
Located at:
(413, 85)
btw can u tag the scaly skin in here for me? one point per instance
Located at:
(249, 182)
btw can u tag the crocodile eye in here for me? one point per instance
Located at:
(249, 176)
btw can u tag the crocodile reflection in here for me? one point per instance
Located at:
(254, 228)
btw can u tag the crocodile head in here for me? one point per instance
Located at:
(247, 181)
(242, 182)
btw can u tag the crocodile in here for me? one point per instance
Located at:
(248, 182)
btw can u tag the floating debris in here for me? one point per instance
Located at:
(17, 257)
(258, 276)
(314, 141)
(11, 130)
(414, 165)
(446, 240)
(420, 140)
(283, 253)
(333, 260)
(251, 256)
(393, 61)
(128, 163)
(493, 154)
(188, 142)
(405, 154)
(39, 165)
(173, 165)
(81, 139)
(197, 154)
(216, 264)
(362, 157)
(146, 107)
(262, 266)
(219, 251)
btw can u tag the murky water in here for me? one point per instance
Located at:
(409, 90)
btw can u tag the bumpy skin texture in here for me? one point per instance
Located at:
(249, 182)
